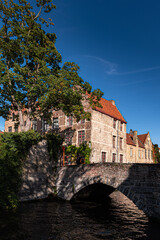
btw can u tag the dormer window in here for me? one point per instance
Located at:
(114, 123)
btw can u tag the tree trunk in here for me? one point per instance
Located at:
(25, 124)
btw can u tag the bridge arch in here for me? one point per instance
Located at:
(93, 192)
(138, 182)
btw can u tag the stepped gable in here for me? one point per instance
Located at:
(110, 109)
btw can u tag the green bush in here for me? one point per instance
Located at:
(83, 151)
(13, 150)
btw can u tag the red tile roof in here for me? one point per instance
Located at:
(129, 139)
(1, 132)
(140, 144)
(109, 109)
(143, 137)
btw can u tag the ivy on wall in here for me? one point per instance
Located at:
(14, 148)
(54, 142)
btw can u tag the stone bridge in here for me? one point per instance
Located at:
(139, 182)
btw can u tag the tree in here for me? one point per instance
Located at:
(32, 83)
(156, 153)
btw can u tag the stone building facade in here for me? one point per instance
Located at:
(139, 148)
(105, 131)
(108, 134)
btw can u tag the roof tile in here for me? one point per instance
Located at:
(129, 139)
(109, 109)
(143, 137)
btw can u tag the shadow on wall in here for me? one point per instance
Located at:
(139, 182)
(142, 186)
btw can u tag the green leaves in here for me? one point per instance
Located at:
(156, 153)
(13, 149)
(83, 151)
(30, 66)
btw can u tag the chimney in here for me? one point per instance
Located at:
(113, 102)
(135, 138)
(131, 132)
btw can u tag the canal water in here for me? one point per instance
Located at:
(117, 218)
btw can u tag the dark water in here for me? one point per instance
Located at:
(117, 219)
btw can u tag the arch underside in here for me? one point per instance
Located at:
(99, 192)
(93, 192)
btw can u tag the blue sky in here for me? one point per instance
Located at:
(116, 43)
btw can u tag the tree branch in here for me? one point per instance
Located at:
(38, 13)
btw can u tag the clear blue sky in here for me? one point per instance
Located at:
(116, 43)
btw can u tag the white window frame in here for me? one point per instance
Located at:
(55, 125)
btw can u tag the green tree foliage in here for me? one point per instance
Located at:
(13, 150)
(76, 154)
(156, 153)
(32, 83)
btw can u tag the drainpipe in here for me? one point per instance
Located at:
(117, 139)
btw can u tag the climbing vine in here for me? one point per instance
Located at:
(13, 150)
(54, 142)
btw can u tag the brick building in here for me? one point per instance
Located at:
(106, 131)
(139, 148)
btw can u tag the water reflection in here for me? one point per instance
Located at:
(118, 218)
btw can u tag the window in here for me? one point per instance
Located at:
(9, 129)
(131, 152)
(55, 123)
(148, 154)
(103, 157)
(68, 138)
(82, 121)
(45, 126)
(113, 157)
(16, 127)
(69, 121)
(121, 158)
(145, 154)
(120, 143)
(121, 126)
(34, 125)
(151, 155)
(13, 116)
(114, 123)
(81, 137)
(114, 141)
(142, 154)
(139, 154)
